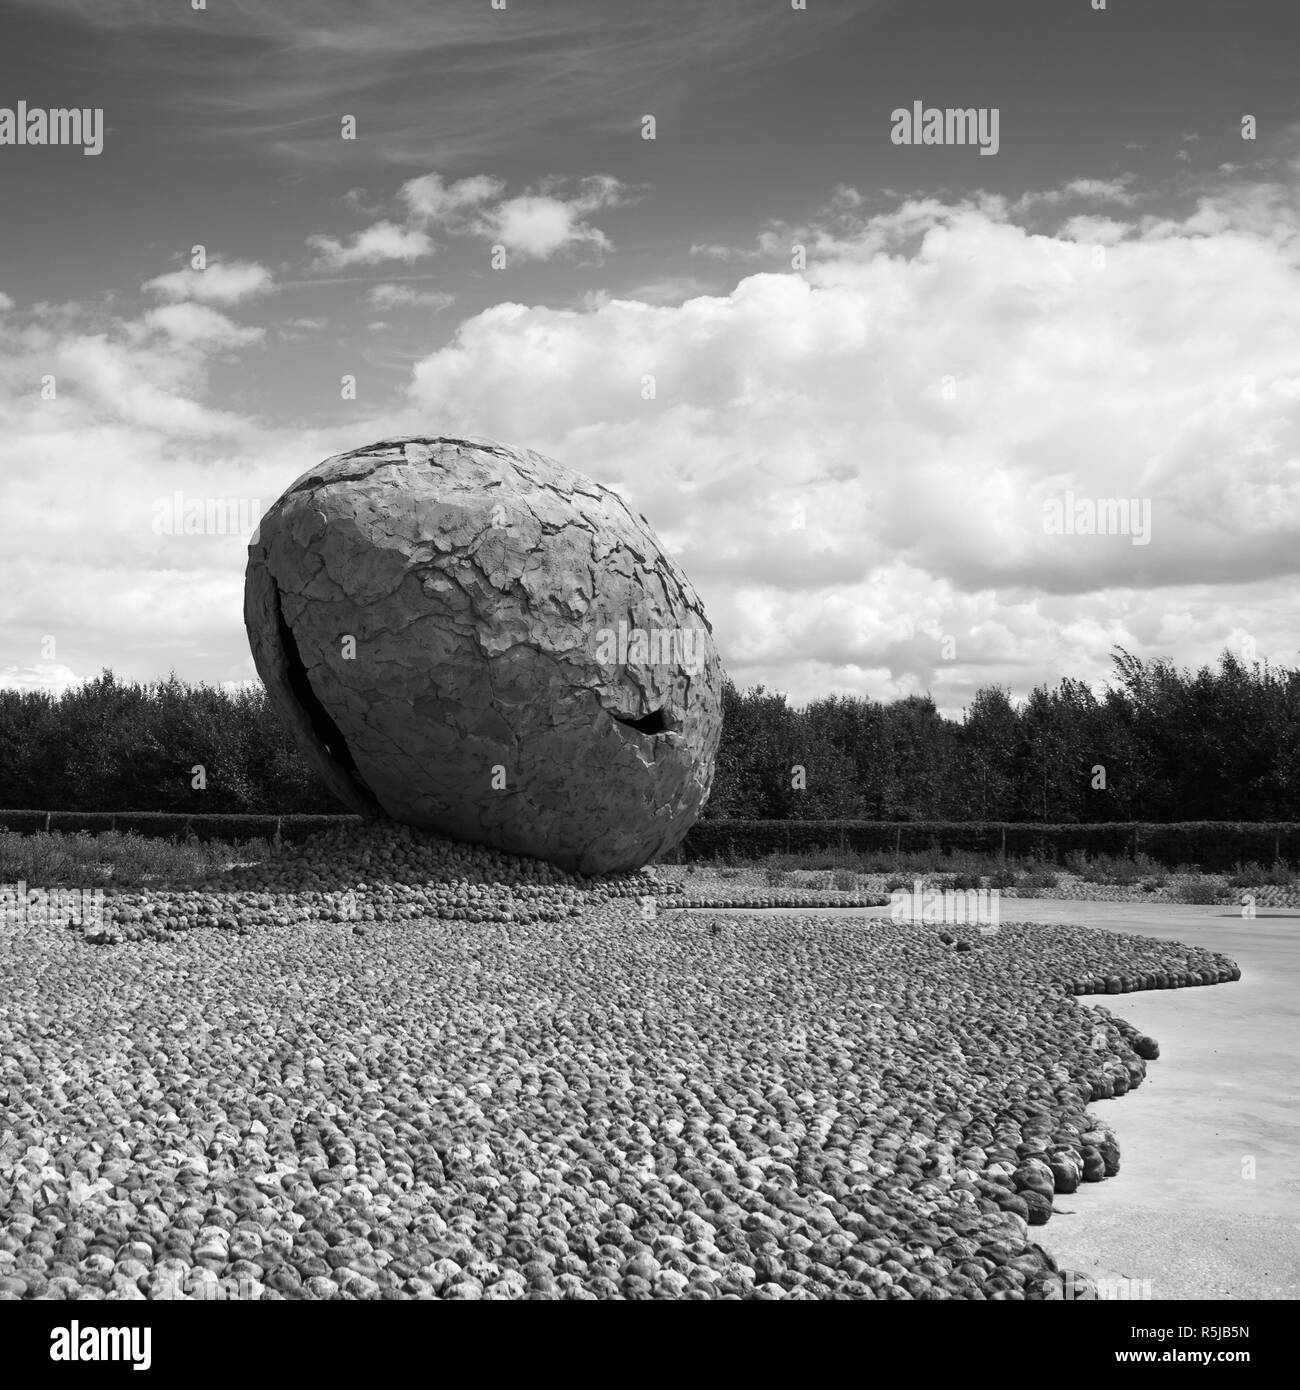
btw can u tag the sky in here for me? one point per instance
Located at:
(913, 417)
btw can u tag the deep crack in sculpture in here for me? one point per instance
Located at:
(473, 639)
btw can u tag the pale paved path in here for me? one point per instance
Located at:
(1180, 1213)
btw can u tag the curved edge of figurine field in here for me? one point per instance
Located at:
(1207, 1203)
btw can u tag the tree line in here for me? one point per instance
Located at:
(1158, 745)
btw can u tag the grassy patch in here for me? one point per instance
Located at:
(111, 857)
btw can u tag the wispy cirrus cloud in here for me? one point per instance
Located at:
(390, 296)
(718, 252)
(298, 65)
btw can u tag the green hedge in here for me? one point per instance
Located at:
(1211, 844)
(235, 829)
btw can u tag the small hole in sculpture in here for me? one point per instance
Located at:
(652, 723)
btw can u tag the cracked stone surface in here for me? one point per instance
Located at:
(474, 639)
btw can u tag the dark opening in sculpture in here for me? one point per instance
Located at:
(652, 723)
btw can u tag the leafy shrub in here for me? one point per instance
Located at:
(1121, 871)
(1255, 876)
(777, 878)
(833, 860)
(1035, 881)
(899, 846)
(1108, 868)
(1247, 876)
(844, 881)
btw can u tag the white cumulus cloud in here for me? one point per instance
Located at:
(431, 200)
(198, 324)
(879, 438)
(222, 282)
(384, 241)
(535, 224)
(539, 225)
(47, 675)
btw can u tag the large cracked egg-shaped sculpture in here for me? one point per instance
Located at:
(473, 639)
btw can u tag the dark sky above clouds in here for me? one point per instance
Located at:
(850, 459)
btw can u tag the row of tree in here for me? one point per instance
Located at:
(1158, 745)
(109, 745)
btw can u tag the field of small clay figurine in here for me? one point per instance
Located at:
(383, 1065)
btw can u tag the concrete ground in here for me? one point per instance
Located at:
(1207, 1200)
